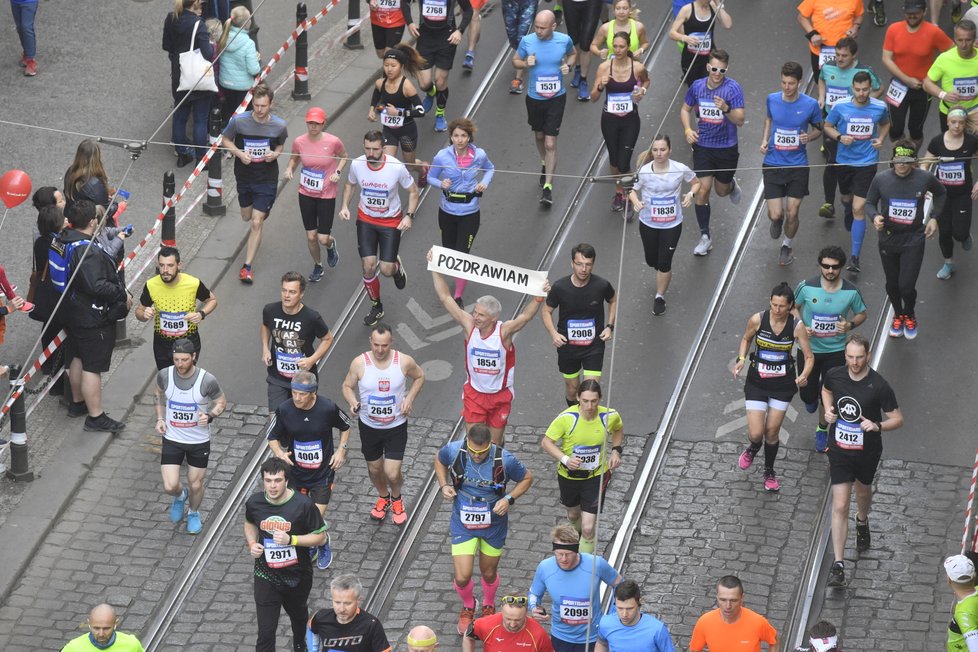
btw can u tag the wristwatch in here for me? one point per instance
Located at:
(510, 499)
(618, 449)
(610, 327)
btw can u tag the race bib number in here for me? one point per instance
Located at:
(848, 435)
(663, 210)
(380, 409)
(860, 128)
(277, 556)
(257, 149)
(391, 121)
(590, 457)
(308, 454)
(311, 179)
(287, 364)
(575, 611)
(826, 54)
(966, 87)
(835, 94)
(951, 174)
(787, 139)
(548, 85)
(620, 103)
(704, 43)
(435, 10)
(825, 325)
(485, 361)
(902, 211)
(173, 324)
(580, 332)
(182, 415)
(896, 92)
(375, 200)
(709, 112)
(388, 5)
(475, 516)
(769, 370)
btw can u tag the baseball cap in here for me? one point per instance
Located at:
(316, 114)
(914, 5)
(959, 568)
(183, 345)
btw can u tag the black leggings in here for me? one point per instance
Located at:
(830, 174)
(458, 231)
(620, 135)
(901, 266)
(954, 222)
(917, 104)
(269, 602)
(581, 20)
(660, 245)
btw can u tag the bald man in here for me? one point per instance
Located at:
(422, 639)
(102, 635)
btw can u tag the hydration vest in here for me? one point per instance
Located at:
(499, 479)
(59, 261)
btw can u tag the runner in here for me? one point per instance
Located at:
(176, 294)
(508, 629)
(956, 149)
(909, 50)
(302, 436)
(288, 330)
(822, 637)
(793, 120)
(581, 18)
(473, 474)
(951, 78)
(345, 626)
(421, 639)
(438, 37)
(255, 138)
(462, 172)
(732, 626)
(896, 203)
(396, 102)
(624, 21)
(719, 103)
(278, 520)
(630, 630)
(183, 396)
(320, 157)
(859, 406)
(860, 126)
(625, 82)
(380, 221)
(490, 357)
(549, 56)
(660, 212)
(771, 380)
(962, 631)
(377, 382)
(829, 307)
(577, 439)
(386, 24)
(573, 579)
(103, 635)
(475, 30)
(581, 329)
(694, 30)
(825, 22)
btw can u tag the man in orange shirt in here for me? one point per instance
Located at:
(824, 23)
(731, 626)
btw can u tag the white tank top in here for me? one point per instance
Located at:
(182, 411)
(381, 393)
(488, 363)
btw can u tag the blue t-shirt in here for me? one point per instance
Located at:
(714, 129)
(545, 78)
(649, 634)
(677, 5)
(861, 122)
(472, 507)
(569, 595)
(789, 120)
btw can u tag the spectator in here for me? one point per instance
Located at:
(24, 12)
(187, 26)
(962, 632)
(169, 37)
(239, 59)
(50, 222)
(86, 177)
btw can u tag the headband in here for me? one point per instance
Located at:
(304, 387)
(824, 644)
(422, 642)
(395, 54)
(959, 112)
(904, 153)
(573, 547)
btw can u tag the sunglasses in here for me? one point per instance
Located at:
(479, 452)
(722, 71)
(519, 600)
(826, 266)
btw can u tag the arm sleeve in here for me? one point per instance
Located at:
(416, 110)
(144, 298)
(406, 10)
(466, 8)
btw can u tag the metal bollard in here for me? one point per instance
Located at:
(301, 90)
(168, 232)
(19, 469)
(215, 182)
(353, 22)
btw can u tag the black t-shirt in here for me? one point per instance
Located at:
(308, 435)
(362, 634)
(283, 565)
(581, 316)
(956, 174)
(869, 398)
(292, 338)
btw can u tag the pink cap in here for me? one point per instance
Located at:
(316, 114)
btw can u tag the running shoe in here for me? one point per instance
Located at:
(879, 13)
(747, 458)
(910, 327)
(896, 328)
(862, 535)
(558, 14)
(314, 553)
(576, 80)
(703, 246)
(547, 197)
(488, 610)
(946, 271)
(827, 211)
(27, 307)
(786, 257)
(429, 100)
(325, 557)
(193, 523)
(775, 228)
(398, 515)
(179, 506)
(469, 62)
(853, 265)
(659, 306)
(811, 408)
(583, 92)
(821, 439)
(543, 173)
(23, 59)
(465, 618)
(440, 123)
(332, 255)
(516, 87)
(30, 68)
(103, 423)
(837, 575)
(618, 203)
(380, 508)
(735, 194)
(317, 274)
(375, 315)
(77, 409)
(771, 481)
(968, 243)
(956, 11)
(400, 278)
(246, 276)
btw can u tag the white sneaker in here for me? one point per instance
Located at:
(735, 194)
(703, 247)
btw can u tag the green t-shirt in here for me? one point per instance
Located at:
(821, 310)
(963, 628)
(956, 75)
(838, 82)
(584, 438)
(123, 643)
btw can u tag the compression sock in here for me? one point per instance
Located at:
(786, 241)
(847, 211)
(754, 446)
(858, 233)
(373, 287)
(587, 545)
(431, 90)
(823, 426)
(770, 454)
(489, 591)
(460, 287)
(703, 218)
(465, 592)
(441, 100)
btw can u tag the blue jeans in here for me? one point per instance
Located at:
(24, 19)
(201, 109)
(518, 19)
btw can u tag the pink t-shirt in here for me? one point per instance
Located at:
(317, 163)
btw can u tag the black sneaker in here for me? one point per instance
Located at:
(103, 423)
(78, 409)
(853, 265)
(837, 575)
(659, 306)
(547, 198)
(862, 535)
(460, 303)
(879, 13)
(375, 315)
(543, 175)
(785, 256)
(400, 278)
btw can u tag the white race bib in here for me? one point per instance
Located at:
(391, 121)
(826, 54)
(181, 415)
(388, 5)
(663, 209)
(486, 361)
(475, 516)
(575, 611)
(902, 211)
(580, 332)
(835, 94)
(704, 43)
(435, 10)
(277, 556)
(173, 324)
(590, 457)
(951, 174)
(312, 180)
(380, 409)
(710, 112)
(768, 370)
(896, 92)
(620, 103)
(257, 149)
(859, 128)
(848, 435)
(287, 364)
(548, 85)
(966, 87)
(308, 454)
(787, 139)
(825, 325)
(375, 200)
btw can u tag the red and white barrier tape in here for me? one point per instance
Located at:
(971, 502)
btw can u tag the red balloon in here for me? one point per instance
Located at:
(15, 188)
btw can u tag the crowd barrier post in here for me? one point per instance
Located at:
(301, 89)
(214, 205)
(353, 23)
(19, 470)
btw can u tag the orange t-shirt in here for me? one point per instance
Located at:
(914, 53)
(831, 18)
(745, 635)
